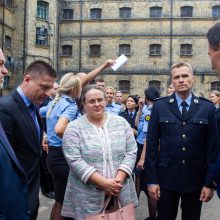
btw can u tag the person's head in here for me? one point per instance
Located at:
(151, 94)
(94, 101)
(182, 78)
(132, 102)
(118, 97)
(100, 82)
(54, 90)
(38, 81)
(170, 90)
(70, 84)
(215, 97)
(3, 70)
(213, 36)
(109, 92)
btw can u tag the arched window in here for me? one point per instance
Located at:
(215, 85)
(185, 50)
(95, 50)
(156, 84)
(125, 49)
(155, 12)
(67, 50)
(125, 12)
(216, 11)
(96, 13)
(155, 50)
(42, 10)
(186, 11)
(124, 86)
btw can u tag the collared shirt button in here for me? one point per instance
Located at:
(184, 123)
(183, 161)
(183, 136)
(183, 148)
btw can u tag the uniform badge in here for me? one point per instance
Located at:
(171, 100)
(196, 101)
(147, 118)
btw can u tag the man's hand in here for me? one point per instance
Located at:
(154, 191)
(206, 194)
(45, 144)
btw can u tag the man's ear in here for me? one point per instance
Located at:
(27, 79)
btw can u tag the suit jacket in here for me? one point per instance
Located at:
(181, 153)
(131, 121)
(13, 184)
(22, 134)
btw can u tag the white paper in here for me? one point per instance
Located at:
(119, 62)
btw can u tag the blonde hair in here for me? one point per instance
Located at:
(109, 87)
(68, 82)
(216, 92)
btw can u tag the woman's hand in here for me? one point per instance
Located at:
(112, 187)
(140, 164)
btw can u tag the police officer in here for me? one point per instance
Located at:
(182, 148)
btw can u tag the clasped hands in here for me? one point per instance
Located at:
(112, 186)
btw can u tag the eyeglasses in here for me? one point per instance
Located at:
(93, 101)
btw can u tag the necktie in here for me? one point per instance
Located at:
(184, 111)
(130, 118)
(33, 109)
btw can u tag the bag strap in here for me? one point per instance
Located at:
(107, 202)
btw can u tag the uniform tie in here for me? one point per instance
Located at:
(184, 111)
(33, 109)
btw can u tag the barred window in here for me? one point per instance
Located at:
(9, 3)
(215, 85)
(41, 36)
(155, 50)
(156, 84)
(67, 14)
(96, 13)
(216, 11)
(42, 10)
(155, 12)
(125, 49)
(125, 12)
(7, 42)
(95, 50)
(124, 86)
(186, 11)
(67, 50)
(185, 50)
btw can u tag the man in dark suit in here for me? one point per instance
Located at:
(182, 148)
(21, 123)
(213, 36)
(13, 183)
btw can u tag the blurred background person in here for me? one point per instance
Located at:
(101, 150)
(170, 90)
(130, 112)
(100, 82)
(111, 106)
(58, 114)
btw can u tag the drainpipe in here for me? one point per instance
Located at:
(80, 35)
(3, 26)
(24, 34)
(171, 33)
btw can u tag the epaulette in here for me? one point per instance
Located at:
(163, 97)
(205, 99)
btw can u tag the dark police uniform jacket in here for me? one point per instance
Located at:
(180, 154)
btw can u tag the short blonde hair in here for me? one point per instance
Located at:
(109, 87)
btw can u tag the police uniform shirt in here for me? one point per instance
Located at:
(179, 101)
(113, 108)
(147, 118)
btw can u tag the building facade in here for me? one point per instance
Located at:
(78, 36)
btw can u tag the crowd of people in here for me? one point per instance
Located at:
(84, 144)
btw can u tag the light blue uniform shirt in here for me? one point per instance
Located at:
(66, 107)
(179, 101)
(141, 136)
(114, 108)
(147, 119)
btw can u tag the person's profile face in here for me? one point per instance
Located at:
(3, 70)
(215, 59)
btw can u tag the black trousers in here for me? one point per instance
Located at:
(169, 201)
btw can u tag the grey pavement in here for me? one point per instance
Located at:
(210, 210)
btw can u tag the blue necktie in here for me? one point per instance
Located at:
(184, 111)
(33, 109)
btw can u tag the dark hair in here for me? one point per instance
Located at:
(213, 35)
(134, 97)
(87, 89)
(40, 67)
(151, 93)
